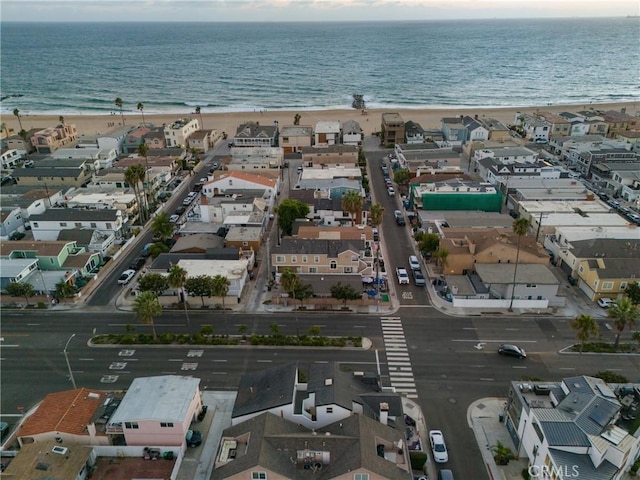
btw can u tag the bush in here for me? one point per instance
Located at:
(41, 305)
(525, 474)
(611, 377)
(418, 459)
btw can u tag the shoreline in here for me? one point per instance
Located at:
(428, 118)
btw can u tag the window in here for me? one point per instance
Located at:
(166, 424)
(329, 409)
(531, 285)
(361, 476)
(304, 259)
(108, 226)
(280, 259)
(63, 224)
(294, 259)
(78, 225)
(623, 285)
(333, 265)
(93, 225)
(607, 285)
(35, 224)
(313, 269)
(133, 425)
(316, 259)
(258, 475)
(348, 269)
(245, 244)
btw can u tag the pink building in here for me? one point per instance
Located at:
(156, 411)
(51, 139)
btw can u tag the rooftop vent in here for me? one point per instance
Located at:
(328, 381)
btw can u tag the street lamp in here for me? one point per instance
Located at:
(66, 357)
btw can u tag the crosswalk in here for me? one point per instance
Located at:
(400, 372)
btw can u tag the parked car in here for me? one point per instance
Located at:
(215, 166)
(605, 302)
(438, 446)
(512, 351)
(126, 277)
(180, 210)
(376, 234)
(194, 438)
(414, 264)
(137, 263)
(391, 191)
(399, 218)
(187, 201)
(174, 218)
(418, 278)
(572, 281)
(403, 276)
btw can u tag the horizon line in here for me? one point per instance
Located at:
(572, 17)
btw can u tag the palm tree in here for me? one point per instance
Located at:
(16, 112)
(289, 281)
(61, 119)
(440, 257)
(624, 314)
(134, 175)
(220, 289)
(5, 129)
(145, 307)
(198, 112)
(585, 327)
(176, 279)
(119, 104)
(296, 119)
(352, 203)
(376, 213)
(143, 150)
(140, 107)
(520, 228)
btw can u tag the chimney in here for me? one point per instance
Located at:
(384, 413)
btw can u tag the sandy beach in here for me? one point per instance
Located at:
(89, 125)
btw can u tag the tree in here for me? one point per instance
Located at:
(143, 151)
(288, 280)
(134, 176)
(201, 286)
(288, 211)
(296, 119)
(427, 243)
(176, 279)
(520, 228)
(344, 292)
(17, 289)
(161, 226)
(275, 329)
(624, 314)
(402, 178)
(585, 327)
(140, 107)
(16, 112)
(633, 292)
(119, 104)
(314, 330)
(220, 287)
(153, 282)
(5, 129)
(440, 257)
(64, 290)
(302, 291)
(198, 112)
(61, 119)
(146, 306)
(376, 214)
(158, 248)
(352, 203)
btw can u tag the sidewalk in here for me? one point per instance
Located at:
(483, 417)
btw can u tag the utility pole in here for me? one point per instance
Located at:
(66, 357)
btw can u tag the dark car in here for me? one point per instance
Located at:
(194, 438)
(512, 351)
(572, 281)
(137, 263)
(180, 210)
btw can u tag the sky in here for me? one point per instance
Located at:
(305, 10)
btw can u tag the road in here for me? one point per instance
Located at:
(453, 360)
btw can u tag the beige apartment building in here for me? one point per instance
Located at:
(51, 139)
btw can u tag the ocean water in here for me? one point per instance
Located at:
(172, 67)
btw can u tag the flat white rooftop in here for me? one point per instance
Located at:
(563, 206)
(329, 173)
(232, 269)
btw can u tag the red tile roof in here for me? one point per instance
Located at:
(248, 177)
(69, 412)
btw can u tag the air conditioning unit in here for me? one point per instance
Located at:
(60, 450)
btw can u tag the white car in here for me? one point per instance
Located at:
(403, 276)
(126, 277)
(606, 302)
(438, 447)
(391, 191)
(174, 218)
(414, 264)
